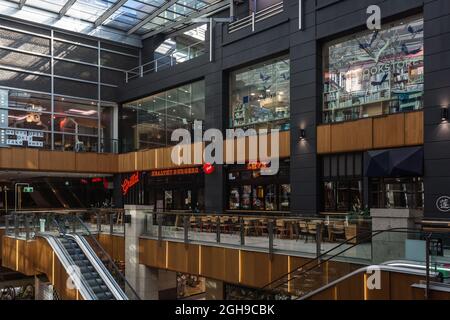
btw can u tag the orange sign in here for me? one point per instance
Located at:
(257, 165)
(175, 172)
(128, 183)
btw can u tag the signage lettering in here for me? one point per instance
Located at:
(257, 165)
(128, 183)
(174, 172)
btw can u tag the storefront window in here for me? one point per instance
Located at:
(27, 120)
(259, 96)
(285, 197)
(374, 73)
(246, 197)
(249, 190)
(342, 183)
(151, 121)
(397, 192)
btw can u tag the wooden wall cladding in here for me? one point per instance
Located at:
(2, 233)
(152, 253)
(9, 253)
(44, 258)
(183, 258)
(57, 160)
(397, 130)
(220, 263)
(44, 160)
(254, 269)
(113, 245)
(394, 286)
(389, 131)
(26, 256)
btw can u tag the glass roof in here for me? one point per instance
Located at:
(127, 17)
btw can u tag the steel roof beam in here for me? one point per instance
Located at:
(109, 12)
(153, 15)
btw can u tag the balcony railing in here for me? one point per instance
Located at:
(273, 234)
(177, 56)
(256, 17)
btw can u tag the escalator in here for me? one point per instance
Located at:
(90, 268)
(87, 270)
(390, 251)
(87, 273)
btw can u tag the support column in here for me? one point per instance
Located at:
(392, 245)
(143, 279)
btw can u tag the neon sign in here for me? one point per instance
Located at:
(128, 183)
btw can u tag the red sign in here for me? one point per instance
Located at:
(175, 172)
(128, 183)
(208, 168)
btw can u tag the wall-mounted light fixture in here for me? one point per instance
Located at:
(302, 134)
(444, 114)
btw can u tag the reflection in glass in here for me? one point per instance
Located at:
(374, 73)
(233, 202)
(258, 198)
(397, 192)
(151, 121)
(285, 197)
(246, 197)
(259, 96)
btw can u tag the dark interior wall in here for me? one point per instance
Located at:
(437, 95)
(324, 20)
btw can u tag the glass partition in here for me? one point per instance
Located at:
(151, 121)
(374, 73)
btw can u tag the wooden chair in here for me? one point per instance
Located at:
(312, 229)
(281, 229)
(249, 227)
(303, 230)
(194, 223)
(261, 227)
(337, 229)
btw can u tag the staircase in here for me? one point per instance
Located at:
(333, 267)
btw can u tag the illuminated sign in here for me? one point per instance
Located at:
(175, 172)
(208, 168)
(257, 165)
(128, 183)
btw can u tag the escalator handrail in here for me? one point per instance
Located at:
(386, 267)
(84, 289)
(321, 258)
(116, 269)
(101, 269)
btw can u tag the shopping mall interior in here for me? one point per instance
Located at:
(346, 102)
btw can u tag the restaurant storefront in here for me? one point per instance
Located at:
(251, 192)
(180, 189)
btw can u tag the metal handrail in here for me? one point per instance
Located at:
(256, 17)
(110, 261)
(386, 267)
(287, 216)
(319, 260)
(139, 70)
